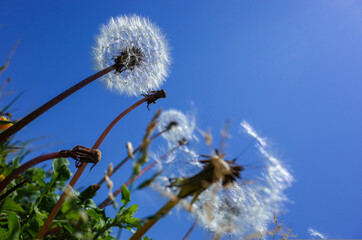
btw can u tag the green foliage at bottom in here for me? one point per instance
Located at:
(24, 211)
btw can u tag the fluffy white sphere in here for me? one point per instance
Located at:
(144, 50)
(183, 129)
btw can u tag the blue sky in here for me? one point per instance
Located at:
(291, 68)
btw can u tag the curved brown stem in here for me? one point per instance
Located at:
(45, 107)
(149, 99)
(128, 157)
(108, 201)
(190, 230)
(26, 166)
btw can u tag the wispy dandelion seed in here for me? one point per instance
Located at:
(243, 208)
(139, 49)
(314, 233)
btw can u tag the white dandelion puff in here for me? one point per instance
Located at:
(244, 208)
(183, 126)
(139, 50)
(315, 233)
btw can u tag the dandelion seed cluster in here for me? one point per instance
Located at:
(144, 51)
(184, 128)
(244, 208)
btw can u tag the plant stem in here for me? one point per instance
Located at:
(2, 197)
(163, 211)
(190, 230)
(108, 201)
(45, 107)
(26, 166)
(80, 170)
(128, 157)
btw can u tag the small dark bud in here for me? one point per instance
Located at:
(182, 141)
(171, 125)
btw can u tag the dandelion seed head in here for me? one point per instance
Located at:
(243, 208)
(183, 126)
(139, 47)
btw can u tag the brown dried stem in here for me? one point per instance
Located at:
(128, 157)
(45, 107)
(26, 166)
(108, 201)
(190, 230)
(149, 99)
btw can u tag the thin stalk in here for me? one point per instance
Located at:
(2, 197)
(26, 166)
(163, 211)
(78, 173)
(128, 157)
(108, 201)
(45, 107)
(190, 230)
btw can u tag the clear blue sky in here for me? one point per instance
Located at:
(291, 68)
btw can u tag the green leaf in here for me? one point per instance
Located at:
(89, 203)
(64, 173)
(13, 226)
(3, 233)
(47, 203)
(39, 216)
(126, 196)
(131, 210)
(98, 216)
(10, 204)
(89, 192)
(60, 167)
(15, 164)
(33, 227)
(68, 227)
(58, 163)
(38, 175)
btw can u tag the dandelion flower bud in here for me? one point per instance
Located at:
(139, 51)
(179, 126)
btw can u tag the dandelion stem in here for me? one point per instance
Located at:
(2, 197)
(78, 173)
(26, 166)
(108, 201)
(163, 211)
(128, 157)
(45, 107)
(190, 230)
